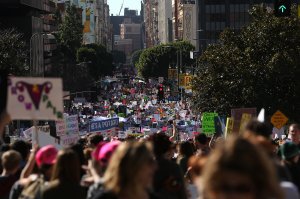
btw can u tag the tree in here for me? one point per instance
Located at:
(98, 60)
(118, 56)
(69, 39)
(135, 57)
(13, 52)
(258, 67)
(155, 61)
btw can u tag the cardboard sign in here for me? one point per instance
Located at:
(103, 125)
(208, 123)
(246, 117)
(67, 126)
(279, 119)
(67, 140)
(220, 125)
(3, 90)
(237, 114)
(35, 98)
(229, 126)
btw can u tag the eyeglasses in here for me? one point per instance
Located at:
(239, 188)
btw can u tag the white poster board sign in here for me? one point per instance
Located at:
(35, 98)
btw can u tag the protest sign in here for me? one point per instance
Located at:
(279, 119)
(122, 135)
(278, 133)
(69, 125)
(237, 114)
(220, 124)
(35, 98)
(67, 140)
(102, 125)
(208, 123)
(3, 90)
(246, 117)
(28, 133)
(229, 126)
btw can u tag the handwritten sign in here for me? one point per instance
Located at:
(103, 125)
(208, 123)
(67, 126)
(35, 98)
(237, 116)
(246, 117)
(67, 140)
(229, 126)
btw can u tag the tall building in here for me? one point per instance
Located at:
(151, 22)
(185, 20)
(102, 24)
(33, 18)
(127, 32)
(216, 15)
(165, 21)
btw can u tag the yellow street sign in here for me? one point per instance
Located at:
(188, 82)
(279, 119)
(181, 80)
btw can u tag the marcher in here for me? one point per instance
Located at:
(129, 173)
(238, 170)
(10, 161)
(65, 178)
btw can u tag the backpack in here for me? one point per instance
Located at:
(33, 189)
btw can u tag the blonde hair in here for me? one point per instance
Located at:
(121, 176)
(11, 160)
(239, 156)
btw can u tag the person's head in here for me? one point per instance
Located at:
(10, 161)
(239, 169)
(195, 167)
(290, 152)
(294, 133)
(67, 167)
(258, 133)
(102, 155)
(131, 169)
(22, 147)
(161, 144)
(200, 141)
(94, 140)
(186, 149)
(45, 159)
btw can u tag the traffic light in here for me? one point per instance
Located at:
(282, 8)
(160, 94)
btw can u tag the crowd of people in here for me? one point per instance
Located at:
(249, 166)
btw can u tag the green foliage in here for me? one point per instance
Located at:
(97, 59)
(69, 34)
(258, 67)
(13, 52)
(135, 57)
(155, 61)
(118, 56)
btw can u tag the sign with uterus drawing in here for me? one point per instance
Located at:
(35, 98)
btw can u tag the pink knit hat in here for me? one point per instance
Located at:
(46, 155)
(105, 152)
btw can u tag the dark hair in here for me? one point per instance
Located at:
(22, 147)
(186, 148)
(161, 144)
(95, 139)
(67, 167)
(259, 128)
(201, 138)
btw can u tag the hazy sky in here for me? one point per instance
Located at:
(115, 5)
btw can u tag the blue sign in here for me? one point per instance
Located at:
(103, 125)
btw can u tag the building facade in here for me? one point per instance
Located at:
(151, 22)
(216, 15)
(35, 19)
(164, 21)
